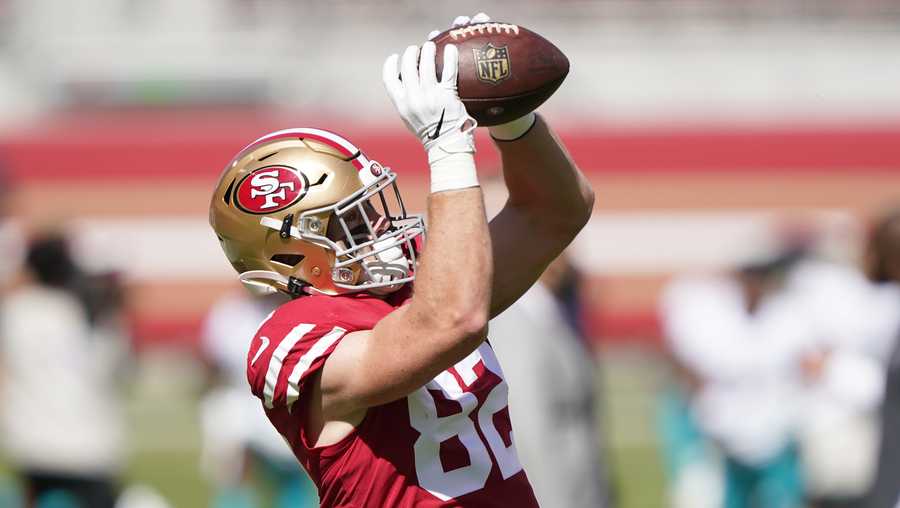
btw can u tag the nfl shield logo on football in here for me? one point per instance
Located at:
(492, 63)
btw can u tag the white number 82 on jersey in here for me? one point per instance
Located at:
(435, 429)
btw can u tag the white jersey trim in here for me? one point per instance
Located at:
(318, 349)
(277, 360)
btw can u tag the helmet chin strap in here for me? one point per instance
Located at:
(259, 282)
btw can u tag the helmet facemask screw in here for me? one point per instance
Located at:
(343, 275)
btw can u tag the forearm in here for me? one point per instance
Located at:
(549, 202)
(542, 178)
(452, 281)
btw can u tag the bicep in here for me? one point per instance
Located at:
(522, 248)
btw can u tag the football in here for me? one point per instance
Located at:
(505, 70)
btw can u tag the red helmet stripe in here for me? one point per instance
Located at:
(356, 162)
(329, 138)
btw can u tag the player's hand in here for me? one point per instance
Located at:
(431, 109)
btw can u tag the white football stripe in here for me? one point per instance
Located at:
(277, 360)
(318, 349)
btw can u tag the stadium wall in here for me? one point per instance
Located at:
(134, 187)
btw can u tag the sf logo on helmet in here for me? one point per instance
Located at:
(270, 189)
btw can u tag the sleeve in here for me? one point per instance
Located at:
(284, 354)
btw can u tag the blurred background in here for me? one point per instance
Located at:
(740, 153)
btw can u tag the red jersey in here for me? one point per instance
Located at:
(449, 443)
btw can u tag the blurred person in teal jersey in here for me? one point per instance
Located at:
(693, 464)
(739, 345)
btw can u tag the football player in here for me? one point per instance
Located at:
(387, 392)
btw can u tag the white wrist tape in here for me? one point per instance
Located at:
(453, 171)
(513, 130)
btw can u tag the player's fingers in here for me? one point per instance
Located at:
(390, 75)
(409, 67)
(480, 18)
(427, 74)
(460, 21)
(432, 34)
(451, 61)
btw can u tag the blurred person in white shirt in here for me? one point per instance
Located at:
(242, 453)
(62, 346)
(742, 344)
(785, 360)
(552, 395)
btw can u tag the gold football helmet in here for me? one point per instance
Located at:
(303, 211)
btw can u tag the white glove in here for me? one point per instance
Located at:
(431, 109)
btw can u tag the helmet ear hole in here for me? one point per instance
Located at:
(290, 260)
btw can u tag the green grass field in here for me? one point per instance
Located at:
(162, 415)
